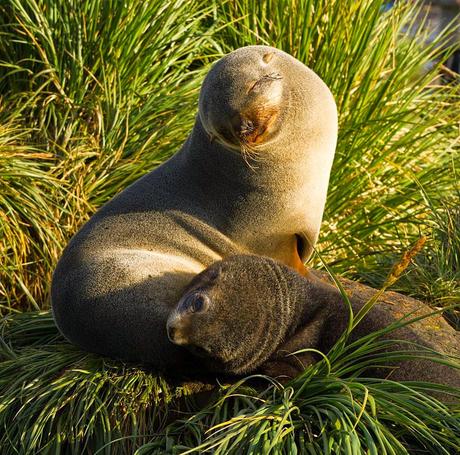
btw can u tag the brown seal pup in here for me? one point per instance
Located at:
(252, 177)
(246, 313)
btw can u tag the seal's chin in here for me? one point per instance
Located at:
(220, 360)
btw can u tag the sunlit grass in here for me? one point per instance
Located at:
(94, 94)
(103, 91)
(57, 399)
(434, 277)
(399, 127)
(107, 90)
(319, 415)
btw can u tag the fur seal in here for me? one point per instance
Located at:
(251, 178)
(246, 313)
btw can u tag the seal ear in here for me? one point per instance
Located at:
(214, 272)
(209, 275)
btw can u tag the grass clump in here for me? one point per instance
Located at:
(318, 415)
(99, 93)
(24, 193)
(434, 276)
(94, 94)
(57, 399)
(398, 125)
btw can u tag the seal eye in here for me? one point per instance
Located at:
(195, 303)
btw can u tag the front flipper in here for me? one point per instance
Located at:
(284, 365)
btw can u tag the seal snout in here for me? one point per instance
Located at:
(171, 332)
(176, 331)
(179, 325)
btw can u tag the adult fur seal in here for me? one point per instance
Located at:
(247, 313)
(251, 177)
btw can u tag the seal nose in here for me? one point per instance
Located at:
(242, 126)
(174, 329)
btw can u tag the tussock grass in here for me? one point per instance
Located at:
(94, 94)
(434, 276)
(398, 125)
(106, 90)
(25, 185)
(320, 415)
(103, 90)
(57, 399)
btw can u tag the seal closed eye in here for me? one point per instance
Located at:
(260, 311)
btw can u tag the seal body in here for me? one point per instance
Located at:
(248, 313)
(251, 178)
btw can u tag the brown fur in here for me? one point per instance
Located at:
(252, 177)
(259, 311)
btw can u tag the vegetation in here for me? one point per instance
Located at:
(57, 399)
(94, 94)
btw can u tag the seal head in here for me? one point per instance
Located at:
(226, 316)
(241, 100)
(250, 93)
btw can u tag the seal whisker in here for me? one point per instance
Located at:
(247, 155)
(252, 152)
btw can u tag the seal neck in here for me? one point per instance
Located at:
(313, 300)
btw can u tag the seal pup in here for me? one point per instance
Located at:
(247, 313)
(251, 178)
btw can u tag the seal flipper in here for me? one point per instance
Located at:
(284, 364)
(288, 253)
